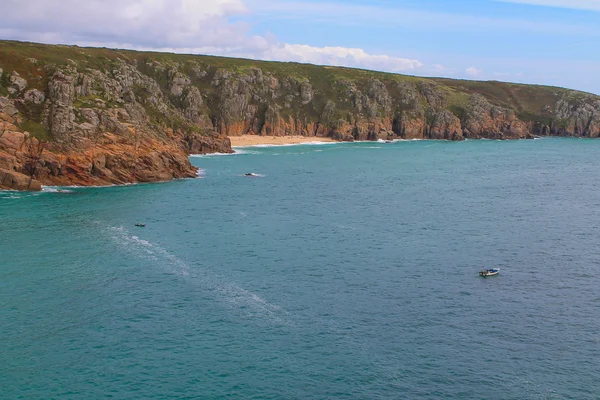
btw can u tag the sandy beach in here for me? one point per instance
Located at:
(254, 140)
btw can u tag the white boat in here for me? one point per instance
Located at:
(489, 272)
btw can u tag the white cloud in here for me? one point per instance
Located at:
(213, 27)
(589, 5)
(183, 26)
(151, 23)
(473, 72)
(340, 56)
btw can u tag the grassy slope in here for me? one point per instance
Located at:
(529, 101)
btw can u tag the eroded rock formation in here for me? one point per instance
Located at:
(102, 117)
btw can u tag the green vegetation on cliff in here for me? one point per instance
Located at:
(68, 90)
(95, 116)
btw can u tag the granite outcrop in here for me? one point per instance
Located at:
(86, 116)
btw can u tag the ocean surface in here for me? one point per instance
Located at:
(341, 271)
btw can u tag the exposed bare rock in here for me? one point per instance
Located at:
(135, 114)
(233, 105)
(442, 124)
(378, 97)
(178, 83)
(193, 105)
(91, 116)
(111, 121)
(7, 106)
(207, 143)
(579, 118)
(17, 83)
(59, 108)
(329, 115)
(113, 117)
(484, 120)
(275, 125)
(34, 96)
(408, 96)
(12, 180)
(434, 95)
(85, 84)
(199, 71)
(306, 92)
(221, 76)
(12, 139)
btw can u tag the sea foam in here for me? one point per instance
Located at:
(229, 292)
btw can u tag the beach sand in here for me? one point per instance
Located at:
(253, 140)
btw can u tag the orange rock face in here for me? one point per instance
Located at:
(446, 127)
(114, 161)
(26, 164)
(112, 118)
(12, 180)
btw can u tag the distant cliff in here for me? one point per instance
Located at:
(90, 116)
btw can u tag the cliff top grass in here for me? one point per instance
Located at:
(30, 60)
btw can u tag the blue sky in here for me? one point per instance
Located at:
(498, 40)
(553, 42)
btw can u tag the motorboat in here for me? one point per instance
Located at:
(139, 225)
(489, 272)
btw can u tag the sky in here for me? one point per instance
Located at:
(550, 42)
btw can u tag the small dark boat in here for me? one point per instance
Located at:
(251, 174)
(140, 225)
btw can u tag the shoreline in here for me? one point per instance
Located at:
(259, 141)
(256, 140)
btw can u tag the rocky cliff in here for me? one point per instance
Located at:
(88, 116)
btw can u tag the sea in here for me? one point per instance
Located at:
(339, 271)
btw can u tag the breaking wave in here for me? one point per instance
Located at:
(236, 152)
(56, 189)
(210, 155)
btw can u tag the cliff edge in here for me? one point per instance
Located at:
(91, 116)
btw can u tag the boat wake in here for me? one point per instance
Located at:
(229, 293)
(248, 304)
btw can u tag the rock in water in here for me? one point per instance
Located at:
(11, 180)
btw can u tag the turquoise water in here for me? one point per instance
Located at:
(344, 271)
